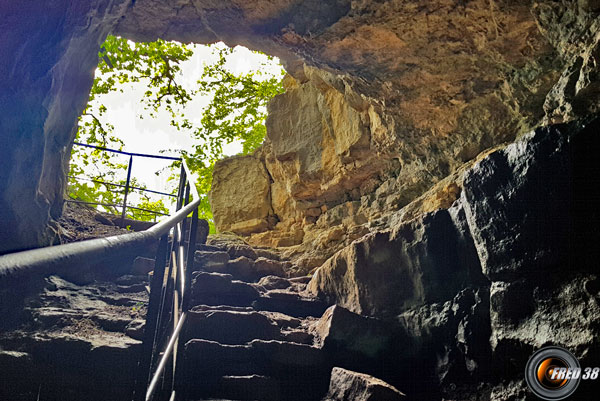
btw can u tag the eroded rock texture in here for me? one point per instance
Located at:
(384, 98)
(389, 148)
(524, 278)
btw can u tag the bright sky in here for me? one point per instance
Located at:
(151, 135)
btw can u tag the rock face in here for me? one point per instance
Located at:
(384, 99)
(43, 89)
(242, 178)
(387, 151)
(384, 131)
(385, 273)
(524, 222)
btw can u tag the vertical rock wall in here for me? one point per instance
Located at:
(386, 99)
(50, 53)
(345, 149)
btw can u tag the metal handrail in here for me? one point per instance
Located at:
(127, 153)
(127, 185)
(121, 186)
(166, 302)
(46, 259)
(110, 204)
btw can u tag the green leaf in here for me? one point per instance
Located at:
(236, 112)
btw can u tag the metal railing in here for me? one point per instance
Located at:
(170, 293)
(167, 307)
(127, 188)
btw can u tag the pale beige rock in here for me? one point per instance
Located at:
(240, 195)
(249, 226)
(268, 267)
(347, 385)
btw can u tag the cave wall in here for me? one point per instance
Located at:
(47, 69)
(398, 95)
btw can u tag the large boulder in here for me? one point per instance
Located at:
(533, 219)
(240, 195)
(340, 329)
(385, 273)
(529, 206)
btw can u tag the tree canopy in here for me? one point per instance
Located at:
(236, 112)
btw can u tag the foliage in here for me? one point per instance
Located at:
(236, 111)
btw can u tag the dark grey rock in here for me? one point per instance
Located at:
(211, 261)
(292, 305)
(229, 327)
(528, 206)
(135, 329)
(340, 329)
(237, 250)
(242, 267)
(384, 273)
(210, 283)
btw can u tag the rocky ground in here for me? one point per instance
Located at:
(253, 332)
(80, 222)
(73, 339)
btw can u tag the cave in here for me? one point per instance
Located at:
(429, 171)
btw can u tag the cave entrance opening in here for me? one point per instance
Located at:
(197, 102)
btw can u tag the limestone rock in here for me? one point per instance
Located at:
(528, 315)
(135, 329)
(210, 283)
(290, 303)
(69, 331)
(274, 282)
(229, 327)
(408, 89)
(385, 273)
(339, 328)
(268, 267)
(449, 340)
(240, 195)
(241, 267)
(347, 385)
(244, 292)
(237, 250)
(546, 168)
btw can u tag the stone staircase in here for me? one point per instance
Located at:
(249, 335)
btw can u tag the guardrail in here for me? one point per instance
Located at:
(169, 293)
(127, 187)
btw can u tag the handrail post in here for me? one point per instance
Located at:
(180, 382)
(187, 294)
(182, 178)
(126, 190)
(150, 330)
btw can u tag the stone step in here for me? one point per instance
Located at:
(222, 289)
(277, 359)
(241, 263)
(239, 325)
(230, 327)
(260, 388)
(251, 387)
(261, 370)
(290, 303)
